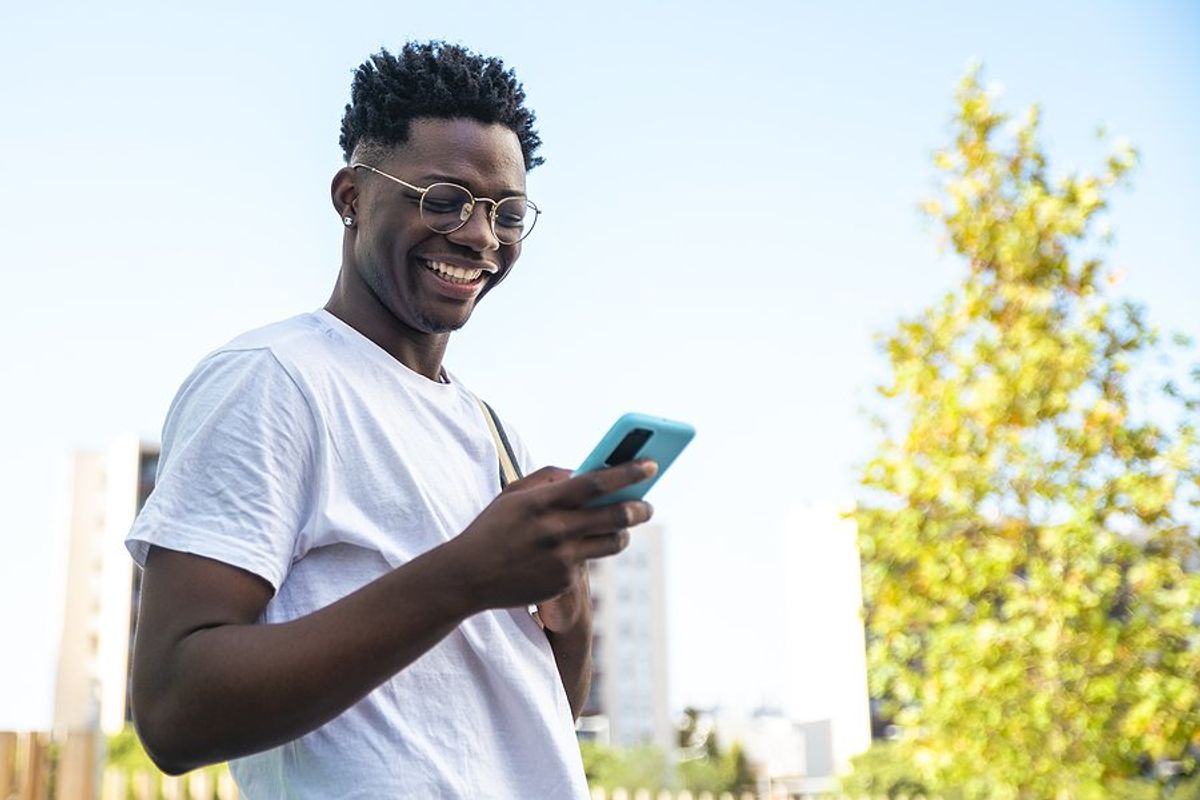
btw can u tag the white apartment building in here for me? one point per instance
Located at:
(100, 608)
(825, 644)
(627, 705)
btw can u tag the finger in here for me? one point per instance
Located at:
(603, 545)
(542, 477)
(586, 522)
(578, 490)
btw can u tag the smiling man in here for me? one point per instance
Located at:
(337, 587)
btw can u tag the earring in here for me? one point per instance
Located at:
(348, 221)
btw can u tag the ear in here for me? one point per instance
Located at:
(343, 191)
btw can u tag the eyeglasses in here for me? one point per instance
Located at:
(446, 207)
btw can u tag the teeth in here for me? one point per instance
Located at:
(455, 274)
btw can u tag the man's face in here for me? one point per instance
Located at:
(402, 261)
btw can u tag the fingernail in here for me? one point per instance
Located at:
(649, 467)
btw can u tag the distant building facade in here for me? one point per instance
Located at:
(825, 642)
(627, 705)
(802, 749)
(102, 592)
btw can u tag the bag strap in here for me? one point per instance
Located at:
(509, 471)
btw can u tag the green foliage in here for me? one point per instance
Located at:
(632, 768)
(685, 735)
(125, 752)
(885, 771)
(701, 775)
(1187, 789)
(718, 772)
(1028, 525)
(702, 767)
(742, 778)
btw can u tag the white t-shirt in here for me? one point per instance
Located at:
(305, 454)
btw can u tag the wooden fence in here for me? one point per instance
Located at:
(147, 785)
(666, 794)
(24, 766)
(32, 767)
(779, 794)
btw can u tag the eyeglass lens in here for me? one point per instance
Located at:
(446, 207)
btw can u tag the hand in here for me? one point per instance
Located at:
(531, 542)
(561, 614)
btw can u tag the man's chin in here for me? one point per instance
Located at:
(431, 324)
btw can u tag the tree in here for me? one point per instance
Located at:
(718, 771)
(886, 771)
(741, 775)
(703, 766)
(1028, 524)
(627, 768)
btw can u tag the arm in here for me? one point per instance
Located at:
(209, 684)
(568, 621)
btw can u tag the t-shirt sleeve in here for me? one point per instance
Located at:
(236, 470)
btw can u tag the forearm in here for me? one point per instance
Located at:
(573, 656)
(232, 690)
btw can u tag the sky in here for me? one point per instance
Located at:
(167, 171)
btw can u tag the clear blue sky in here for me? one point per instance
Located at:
(167, 173)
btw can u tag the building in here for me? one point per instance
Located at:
(801, 750)
(825, 644)
(102, 591)
(627, 705)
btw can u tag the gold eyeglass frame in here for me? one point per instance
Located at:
(467, 210)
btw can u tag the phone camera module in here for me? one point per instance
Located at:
(629, 447)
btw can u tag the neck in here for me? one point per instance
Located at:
(419, 351)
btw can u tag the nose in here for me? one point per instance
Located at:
(477, 232)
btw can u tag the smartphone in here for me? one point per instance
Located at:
(635, 436)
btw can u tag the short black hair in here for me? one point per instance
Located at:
(433, 79)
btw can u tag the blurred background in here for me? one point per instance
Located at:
(730, 201)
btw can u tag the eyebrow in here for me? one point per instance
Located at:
(435, 177)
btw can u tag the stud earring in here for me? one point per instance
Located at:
(348, 221)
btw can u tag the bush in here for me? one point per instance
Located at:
(886, 770)
(631, 768)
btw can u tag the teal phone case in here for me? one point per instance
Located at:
(651, 437)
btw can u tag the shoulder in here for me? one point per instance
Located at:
(262, 368)
(290, 341)
(287, 348)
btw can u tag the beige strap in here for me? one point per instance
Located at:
(508, 470)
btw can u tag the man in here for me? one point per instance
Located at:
(337, 592)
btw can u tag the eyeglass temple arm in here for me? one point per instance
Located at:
(389, 177)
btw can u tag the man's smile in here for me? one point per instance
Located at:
(457, 272)
(460, 279)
